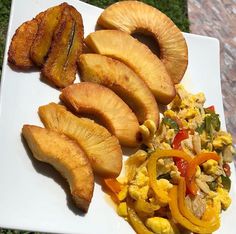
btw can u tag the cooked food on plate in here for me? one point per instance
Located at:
(60, 66)
(43, 39)
(137, 56)
(91, 98)
(19, 50)
(103, 149)
(135, 16)
(181, 180)
(65, 156)
(123, 81)
(53, 41)
(178, 180)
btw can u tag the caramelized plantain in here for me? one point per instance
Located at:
(60, 66)
(19, 50)
(79, 33)
(43, 39)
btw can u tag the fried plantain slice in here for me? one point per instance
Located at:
(43, 39)
(19, 50)
(60, 66)
(65, 156)
(79, 33)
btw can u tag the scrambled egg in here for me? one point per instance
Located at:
(223, 197)
(222, 139)
(163, 186)
(160, 225)
(211, 167)
(139, 187)
(122, 209)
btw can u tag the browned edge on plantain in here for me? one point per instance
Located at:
(135, 16)
(43, 39)
(18, 53)
(61, 64)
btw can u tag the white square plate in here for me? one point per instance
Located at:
(32, 196)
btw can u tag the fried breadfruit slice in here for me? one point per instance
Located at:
(138, 57)
(60, 66)
(65, 156)
(91, 98)
(19, 50)
(43, 39)
(102, 149)
(123, 81)
(135, 16)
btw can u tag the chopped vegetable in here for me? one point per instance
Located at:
(212, 224)
(114, 188)
(209, 109)
(226, 182)
(136, 222)
(181, 135)
(212, 123)
(192, 168)
(151, 166)
(171, 123)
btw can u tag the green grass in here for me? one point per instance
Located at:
(175, 9)
(5, 6)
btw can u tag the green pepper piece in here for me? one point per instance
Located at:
(212, 185)
(164, 176)
(226, 182)
(171, 123)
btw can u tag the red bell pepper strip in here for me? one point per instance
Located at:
(179, 162)
(210, 109)
(180, 136)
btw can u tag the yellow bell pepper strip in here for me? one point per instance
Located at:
(145, 207)
(137, 223)
(152, 170)
(192, 167)
(212, 225)
(173, 204)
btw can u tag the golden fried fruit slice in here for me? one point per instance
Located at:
(19, 50)
(79, 31)
(137, 56)
(123, 81)
(43, 39)
(91, 98)
(60, 67)
(102, 149)
(65, 156)
(135, 16)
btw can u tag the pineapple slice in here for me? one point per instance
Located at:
(44, 36)
(102, 149)
(135, 16)
(65, 156)
(90, 98)
(123, 81)
(138, 57)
